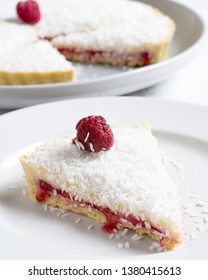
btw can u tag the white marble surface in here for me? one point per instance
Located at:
(189, 84)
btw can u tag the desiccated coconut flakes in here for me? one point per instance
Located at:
(120, 245)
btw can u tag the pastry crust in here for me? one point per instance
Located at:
(36, 63)
(32, 78)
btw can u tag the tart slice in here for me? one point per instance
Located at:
(126, 186)
(36, 63)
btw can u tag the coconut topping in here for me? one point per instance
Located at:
(129, 178)
(14, 36)
(102, 15)
(39, 56)
(124, 38)
(73, 16)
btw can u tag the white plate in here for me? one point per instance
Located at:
(27, 231)
(105, 81)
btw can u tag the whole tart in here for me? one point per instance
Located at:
(118, 33)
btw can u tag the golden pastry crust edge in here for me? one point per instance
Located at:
(32, 78)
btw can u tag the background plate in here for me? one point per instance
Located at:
(105, 81)
(29, 232)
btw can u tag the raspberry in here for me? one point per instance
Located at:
(28, 11)
(93, 134)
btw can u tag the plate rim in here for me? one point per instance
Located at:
(168, 255)
(141, 98)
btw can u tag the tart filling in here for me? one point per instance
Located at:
(93, 56)
(112, 220)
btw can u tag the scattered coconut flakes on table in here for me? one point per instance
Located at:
(136, 237)
(193, 236)
(45, 207)
(191, 214)
(201, 203)
(139, 237)
(195, 217)
(194, 196)
(200, 228)
(120, 245)
(126, 245)
(205, 219)
(65, 215)
(124, 232)
(117, 236)
(24, 192)
(197, 222)
(111, 236)
(187, 206)
(78, 221)
(12, 188)
(58, 214)
(154, 246)
(90, 227)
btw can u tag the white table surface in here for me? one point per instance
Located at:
(189, 84)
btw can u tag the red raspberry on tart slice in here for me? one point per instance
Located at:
(93, 134)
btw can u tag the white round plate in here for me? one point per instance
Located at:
(104, 81)
(29, 232)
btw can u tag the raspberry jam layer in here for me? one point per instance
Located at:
(45, 190)
(143, 58)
